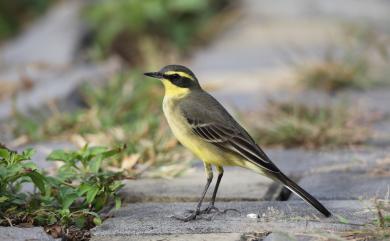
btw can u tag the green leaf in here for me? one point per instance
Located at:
(80, 221)
(91, 194)
(38, 180)
(188, 5)
(97, 150)
(116, 186)
(3, 199)
(342, 219)
(85, 211)
(99, 202)
(52, 219)
(84, 188)
(68, 200)
(111, 153)
(28, 153)
(118, 202)
(4, 153)
(57, 155)
(386, 218)
(95, 163)
(97, 220)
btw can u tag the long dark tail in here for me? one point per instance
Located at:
(292, 186)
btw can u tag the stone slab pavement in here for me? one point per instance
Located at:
(236, 184)
(51, 40)
(342, 174)
(24, 234)
(346, 185)
(151, 219)
(263, 47)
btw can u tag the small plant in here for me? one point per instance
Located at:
(355, 65)
(125, 110)
(379, 229)
(291, 125)
(15, 14)
(136, 27)
(69, 203)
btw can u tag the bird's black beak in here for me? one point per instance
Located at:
(156, 75)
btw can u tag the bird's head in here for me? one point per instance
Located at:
(177, 79)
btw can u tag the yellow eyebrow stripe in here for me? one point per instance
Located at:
(182, 74)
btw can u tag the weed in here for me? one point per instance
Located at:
(126, 110)
(15, 14)
(379, 229)
(69, 203)
(356, 65)
(291, 125)
(131, 27)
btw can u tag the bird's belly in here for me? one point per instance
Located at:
(206, 151)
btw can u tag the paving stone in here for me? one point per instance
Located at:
(369, 100)
(236, 184)
(242, 184)
(173, 237)
(263, 62)
(54, 85)
(362, 11)
(346, 185)
(52, 40)
(300, 162)
(24, 234)
(276, 236)
(283, 236)
(291, 216)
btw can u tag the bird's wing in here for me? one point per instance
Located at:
(232, 139)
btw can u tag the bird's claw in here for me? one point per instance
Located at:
(212, 208)
(197, 212)
(192, 216)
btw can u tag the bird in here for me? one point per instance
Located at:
(205, 127)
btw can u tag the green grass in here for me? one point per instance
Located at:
(68, 203)
(15, 14)
(378, 229)
(358, 63)
(133, 27)
(127, 109)
(296, 125)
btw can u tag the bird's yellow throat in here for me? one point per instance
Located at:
(174, 91)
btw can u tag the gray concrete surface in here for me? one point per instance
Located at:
(52, 40)
(346, 185)
(24, 234)
(292, 216)
(173, 237)
(236, 184)
(53, 86)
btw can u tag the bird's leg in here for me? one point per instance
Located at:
(196, 212)
(211, 206)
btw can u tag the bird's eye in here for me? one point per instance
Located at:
(175, 76)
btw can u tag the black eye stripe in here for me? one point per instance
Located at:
(175, 76)
(179, 80)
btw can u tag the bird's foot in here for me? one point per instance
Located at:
(192, 216)
(212, 209)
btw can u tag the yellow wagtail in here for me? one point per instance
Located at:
(203, 125)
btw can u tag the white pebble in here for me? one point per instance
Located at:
(252, 215)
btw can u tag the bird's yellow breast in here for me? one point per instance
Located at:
(205, 151)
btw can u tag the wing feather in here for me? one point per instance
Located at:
(232, 140)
